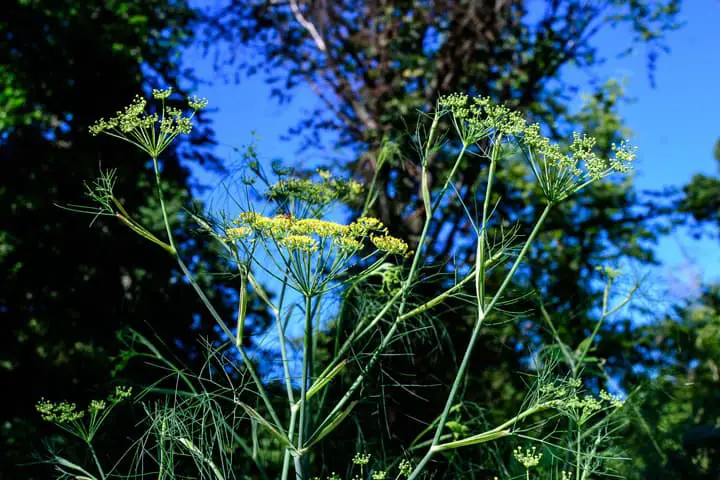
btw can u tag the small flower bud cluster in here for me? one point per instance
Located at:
(66, 412)
(624, 156)
(197, 103)
(63, 412)
(613, 400)
(361, 459)
(96, 406)
(567, 397)
(609, 272)
(161, 94)
(404, 470)
(322, 193)
(561, 173)
(122, 393)
(301, 243)
(528, 458)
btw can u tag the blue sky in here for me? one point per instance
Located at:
(675, 124)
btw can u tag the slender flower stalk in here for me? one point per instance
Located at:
(304, 421)
(482, 315)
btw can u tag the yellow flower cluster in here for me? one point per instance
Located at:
(302, 243)
(363, 225)
(348, 244)
(322, 228)
(391, 245)
(307, 234)
(239, 232)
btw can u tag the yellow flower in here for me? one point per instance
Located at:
(528, 458)
(348, 244)
(238, 232)
(364, 225)
(303, 243)
(389, 244)
(322, 228)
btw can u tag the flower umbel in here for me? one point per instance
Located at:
(63, 412)
(478, 117)
(527, 458)
(315, 251)
(563, 172)
(301, 196)
(560, 171)
(361, 459)
(152, 132)
(81, 423)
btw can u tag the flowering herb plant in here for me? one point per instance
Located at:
(309, 259)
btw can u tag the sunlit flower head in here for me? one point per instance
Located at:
(315, 251)
(151, 131)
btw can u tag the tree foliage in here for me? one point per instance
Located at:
(67, 289)
(701, 197)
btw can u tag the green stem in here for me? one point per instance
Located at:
(226, 331)
(600, 322)
(371, 192)
(304, 424)
(482, 314)
(145, 234)
(162, 203)
(201, 456)
(277, 313)
(97, 461)
(405, 291)
(480, 270)
(283, 349)
(578, 453)
(501, 430)
(480, 290)
(431, 135)
(291, 433)
(443, 296)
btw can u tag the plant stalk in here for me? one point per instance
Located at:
(482, 314)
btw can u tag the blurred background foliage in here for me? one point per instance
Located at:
(374, 66)
(68, 290)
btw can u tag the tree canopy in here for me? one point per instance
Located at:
(68, 289)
